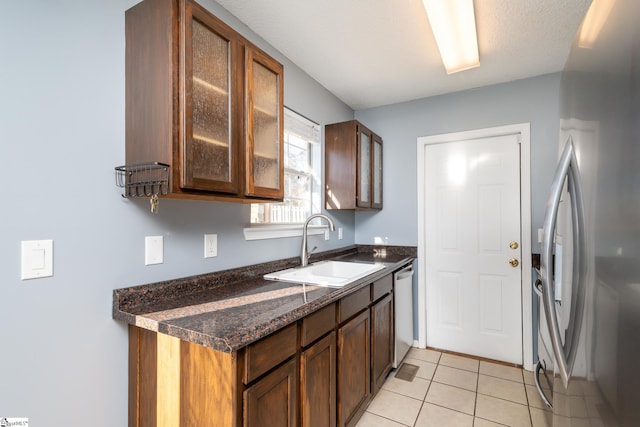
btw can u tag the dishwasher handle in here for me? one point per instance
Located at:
(404, 273)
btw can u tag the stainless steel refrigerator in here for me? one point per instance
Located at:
(589, 345)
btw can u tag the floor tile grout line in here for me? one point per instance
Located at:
(390, 419)
(476, 392)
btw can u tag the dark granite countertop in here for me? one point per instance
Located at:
(230, 309)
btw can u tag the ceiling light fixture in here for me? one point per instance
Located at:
(454, 27)
(593, 21)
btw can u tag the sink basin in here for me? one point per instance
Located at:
(326, 273)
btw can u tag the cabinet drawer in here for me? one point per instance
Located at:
(381, 287)
(354, 303)
(268, 352)
(317, 324)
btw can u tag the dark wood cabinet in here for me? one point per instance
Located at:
(353, 369)
(353, 167)
(319, 371)
(272, 400)
(318, 383)
(204, 100)
(381, 341)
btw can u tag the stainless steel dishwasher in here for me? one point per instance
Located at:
(403, 313)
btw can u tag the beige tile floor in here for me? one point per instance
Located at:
(451, 390)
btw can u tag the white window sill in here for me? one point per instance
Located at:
(277, 231)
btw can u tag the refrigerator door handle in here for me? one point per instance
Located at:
(536, 378)
(567, 169)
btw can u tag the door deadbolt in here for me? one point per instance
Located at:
(513, 245)
(514, 262)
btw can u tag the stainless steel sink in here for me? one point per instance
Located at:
(326, 273)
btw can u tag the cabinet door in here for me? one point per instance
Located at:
(264, 127)
(381, 341)
(376, 180)
(318, 383)
(353, 368)
(272, 400)
(364, 168)
(209, 139)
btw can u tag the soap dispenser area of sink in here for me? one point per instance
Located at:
(326, 273)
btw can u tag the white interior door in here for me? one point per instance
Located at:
(472, 243)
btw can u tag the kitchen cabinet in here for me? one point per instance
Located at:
(204, 100)
(381, 341)
(353, 167)
(318, 383)
(320, 371)
(272, 400)
(354, 353)
(353, 369)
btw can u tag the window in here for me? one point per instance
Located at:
(302, 175)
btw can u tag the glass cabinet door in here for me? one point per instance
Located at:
(209, 149)
(364, 168)
(264, 139)
(377, 173)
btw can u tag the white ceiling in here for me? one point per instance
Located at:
(377, 52)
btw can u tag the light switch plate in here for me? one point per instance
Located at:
(37, 259)
(153, 250)
(339, 233)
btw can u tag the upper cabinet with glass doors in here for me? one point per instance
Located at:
(353, 167)
(204, 100)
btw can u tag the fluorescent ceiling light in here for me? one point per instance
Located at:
(454, 27)
(593, 21)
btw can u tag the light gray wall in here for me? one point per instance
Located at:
(534, 100)
(63, 359)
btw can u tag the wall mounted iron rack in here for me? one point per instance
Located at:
(144, 180)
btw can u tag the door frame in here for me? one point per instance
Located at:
(523, 130)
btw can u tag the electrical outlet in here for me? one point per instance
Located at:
(153, 250)
(326, 235)
(339, 233)
(210, 245)
(540, 235)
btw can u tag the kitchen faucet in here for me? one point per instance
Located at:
(304, 256)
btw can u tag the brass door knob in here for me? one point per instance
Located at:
(513, 245)
(514, 262)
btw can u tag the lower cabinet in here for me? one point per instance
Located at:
(321, 371)
(318, 383)
(271, 401)
(381, 341)
(353, 369)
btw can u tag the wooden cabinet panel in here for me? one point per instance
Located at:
(269, 352)
(381, 341)
(317, 324)
(381, 287)
(318, 383)
(354, 303)
(353, 167)
(272, 400)
(353, 385)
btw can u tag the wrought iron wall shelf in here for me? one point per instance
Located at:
(144, 180)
